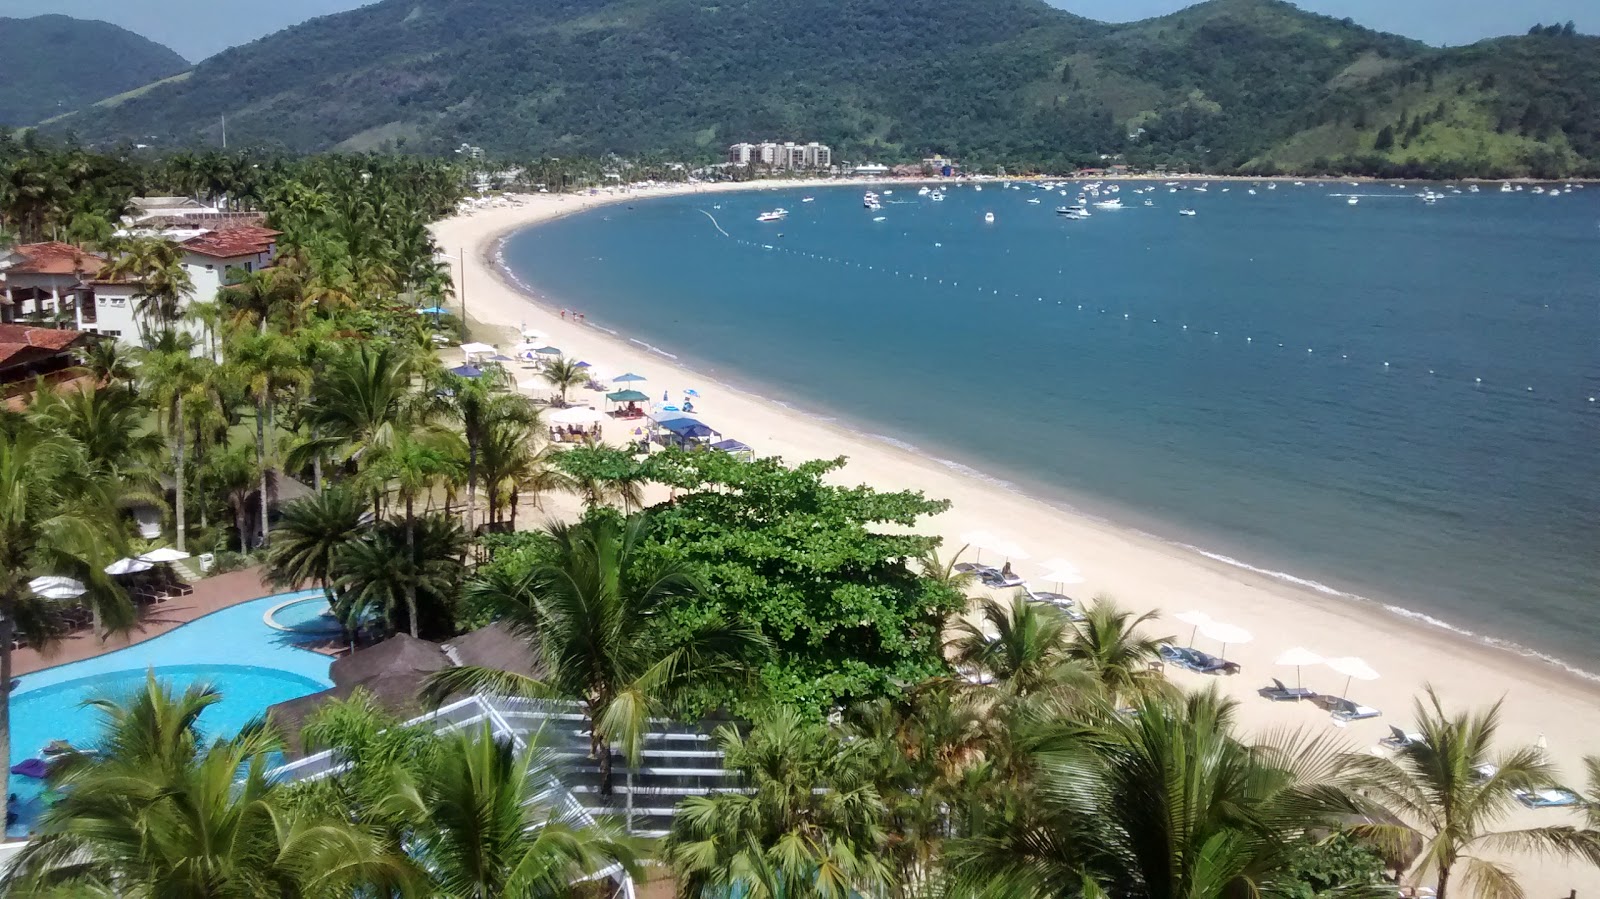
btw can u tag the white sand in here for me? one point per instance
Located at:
(1141, 572)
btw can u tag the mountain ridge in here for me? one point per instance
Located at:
(47, 78)
(1218, 85)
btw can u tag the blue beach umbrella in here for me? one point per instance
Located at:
(628, 378)
(584, 365)
(548, 351)
(692, 392)
(467, 371)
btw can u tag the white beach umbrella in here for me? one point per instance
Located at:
(164, 554)
(576, 415)
(129, 566)
(1298, 657)
(1195, 618)
(1353, 668)
(1062, 578)
(532, 384)
(1059, 564)
(476, 349)
(1225, 634)
(55, 587)
(527, 346)
(984, 540)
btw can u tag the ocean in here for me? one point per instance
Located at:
(1395, 400)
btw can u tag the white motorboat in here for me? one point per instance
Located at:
(936, 196)
(1112, 203)
(1034, 200)
(977, 187)
(1252, 191)
(879, 218)
(1186, 212)
(1353, 200)
(988, 217)
(809, 200)
(776, 215)
(869, 199)
(1149, 202)
(1072, 212)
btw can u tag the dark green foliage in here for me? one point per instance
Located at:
(56, 64)
(1339, 865)
(1385, 139)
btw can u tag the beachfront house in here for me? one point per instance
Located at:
(38, 283)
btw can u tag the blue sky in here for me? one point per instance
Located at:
(199, 28)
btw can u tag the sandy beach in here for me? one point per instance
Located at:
(1141, 572)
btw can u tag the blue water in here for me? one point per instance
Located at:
(233, 650)
(1218, 381)
(308, 616)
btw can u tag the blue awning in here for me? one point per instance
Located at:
(688, 427)
(467, 371)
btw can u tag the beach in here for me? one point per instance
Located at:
(1140, 571)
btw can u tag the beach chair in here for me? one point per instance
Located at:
(1399, 739)
(1206, 663)
(1345, 711)
(1280, 693)
(1550, 797)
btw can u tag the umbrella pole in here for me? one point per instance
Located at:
(1346, 693)
(1193, 633)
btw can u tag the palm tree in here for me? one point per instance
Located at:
(107, 362)
(564, 374)
(1165, 803)
(358, 400)
(232, 473)
(1453, 792)
(308, 536)
(108, 423)
(158, 813)
(414, 467)
(1028, 652)
(263, 361)
(479, 410)
(598, 612)
(807, 821)
(1107, 644)
(170, 372)
(494, 826)
(155, 264)
(509, 465)
(366, 575)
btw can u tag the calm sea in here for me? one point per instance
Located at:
(1394, 399)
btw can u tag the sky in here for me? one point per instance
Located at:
(199, 28)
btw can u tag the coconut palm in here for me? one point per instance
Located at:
(806, 821)
(479, 410)
(1454, 791)
(170, 372)
(358, 400)
(309, 534)
(1028, 650)
(1107, 644)
(107, 362)
(598, 612)
(155, 264)
(157, 813)
(1166, 803)
(564, 374)
(263, 361)
(421, 590)
(510, 465)
(108, 423)
(232, 473)
(414, 466)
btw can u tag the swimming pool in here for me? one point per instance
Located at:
(252, 665)
(305, 616)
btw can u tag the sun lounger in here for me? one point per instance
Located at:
(1345, 711)
(990, 576)
(1061, 601)
(1553, 797)
(1197, 661)
(1280, 693)
(1399, 739)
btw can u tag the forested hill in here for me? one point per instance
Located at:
(1219, 85)
(55, 64)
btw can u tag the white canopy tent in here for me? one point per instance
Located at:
(56, 588)
(129, 566)
(576, 415)
(476, 349)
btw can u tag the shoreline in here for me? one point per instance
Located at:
(1140, 569)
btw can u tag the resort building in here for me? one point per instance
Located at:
(786, 156)
(28, 354)
(38, 280)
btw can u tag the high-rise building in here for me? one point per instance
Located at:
(741, 154)
(788, 155)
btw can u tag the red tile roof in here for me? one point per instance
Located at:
(45, 338)
(231, 243)
(54, 258)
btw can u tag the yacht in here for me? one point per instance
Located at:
(776, 215)
(1353, 201)
(936, 196)
(1149, 202)
(1112, 203)
(1505, 187)
(1252, 191)
(1072, 212)
(809, 200)
(869, 200)
(1472, 188)
(887, 192)
(1033, 200)
(1538, 190)
(977, 187)
(923, 191)
(1186, 212)
(988, 217)
(879, 218)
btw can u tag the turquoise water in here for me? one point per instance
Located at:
(233, 650)
(308, 616)
(1216, 380)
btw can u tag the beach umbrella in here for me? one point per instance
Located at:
(692, 392)
(583, 365)
(1225, 634)
(628, 378)
(128, 566)
(164, 554)
(55, 587)
(1195, 618)
(575, 415)
(501, 357)
(628, 396)
(667, 408)
(467, 371)
(432, 310)
(526, 347)
(476, 349)
(548, 351)
(1353, 668)
(1061, 578)
(996, 544)
(1298, 657)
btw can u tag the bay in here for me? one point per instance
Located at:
(1217, 380)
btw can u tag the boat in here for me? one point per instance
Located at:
(988, 217)
(869, 199)
(1538, 190)
(1200, 190)
(879, 218)
(776, 215)
(977, 187)
(1033, 200)
(1109, 204)
(1149, 202)
(1072, 212)
(1472, 188)
(887, 192)
(936, 196)
(923, 191)
(1186, 212)
(809, 200)
(1353, 201)
(1252, 191)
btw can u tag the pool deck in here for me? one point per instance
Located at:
(210, 594)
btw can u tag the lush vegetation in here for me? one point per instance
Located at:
(1222, 85)
(60, 64)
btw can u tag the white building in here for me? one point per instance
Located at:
(788, 155)
(37, 282)
(741, 154)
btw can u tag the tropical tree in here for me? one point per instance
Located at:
(602, 475)
(263, 361)
(158, 813)
(107, 362)
(510, 464)
(358, 400)
(479, 410)
(109, 424)
(1451, 789)
(414, 466)
(155, 264)
(1021, 644)
(1106, 643)
(170, 372)
(598, 613)
(806, 822)
(421, 590)
(308, 537)
(564, 374)
(1164, 803)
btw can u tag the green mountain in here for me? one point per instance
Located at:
(55, 64)
(1220, 85)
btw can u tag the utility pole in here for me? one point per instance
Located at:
(224, 132)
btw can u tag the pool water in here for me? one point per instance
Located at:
(308, 616)
(250, 663)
